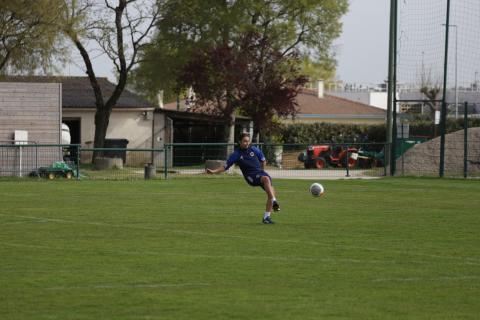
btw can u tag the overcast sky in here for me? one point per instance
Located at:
(362, 49)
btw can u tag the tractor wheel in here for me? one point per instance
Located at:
(51, 175)
(68, 175)
(320, 163)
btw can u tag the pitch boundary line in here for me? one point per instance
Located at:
(132, 286)
(418, 279)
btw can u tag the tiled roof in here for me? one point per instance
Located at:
(173, 105)
(78, 93)
(310, 103)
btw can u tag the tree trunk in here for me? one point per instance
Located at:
(256, 133)
(229, 133)
(102, 117)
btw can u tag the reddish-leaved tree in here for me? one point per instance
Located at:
(255, 77)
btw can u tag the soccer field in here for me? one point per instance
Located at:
(196, 249)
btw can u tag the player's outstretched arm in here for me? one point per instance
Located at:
(230, 161)
(213, 171)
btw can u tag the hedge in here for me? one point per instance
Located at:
(339, 133)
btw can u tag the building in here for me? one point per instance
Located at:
(176, 123)
(316, 106)
(29, 113)
(131, 118)
(134, 122)
(372, 95)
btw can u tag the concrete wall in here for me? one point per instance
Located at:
(376, 99)
(135, 125)
(128, 124)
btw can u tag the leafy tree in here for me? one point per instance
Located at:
(29, 34)
(187, 27)
(320, 69)
(120, 29)
(272, 83)
(225, 79)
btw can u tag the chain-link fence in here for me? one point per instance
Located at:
(321, 160)
(418, 156)
(38, 160)
(433, 69)
(122, 164)
(72, 161)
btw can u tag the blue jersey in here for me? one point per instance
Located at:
(247, 159)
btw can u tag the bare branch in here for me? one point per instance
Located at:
(299, 39)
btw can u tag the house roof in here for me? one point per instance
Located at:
(78, 93)
(310, 104)
(172, 107)
(198, 116)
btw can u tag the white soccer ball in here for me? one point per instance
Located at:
(317, 190)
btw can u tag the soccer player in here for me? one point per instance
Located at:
(251, 161)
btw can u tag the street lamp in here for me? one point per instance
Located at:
(456, 69)
(475, 82)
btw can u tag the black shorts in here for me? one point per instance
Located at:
(254, 179)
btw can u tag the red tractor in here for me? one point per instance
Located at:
(323, 156)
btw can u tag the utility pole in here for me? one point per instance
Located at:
(456, 67)
(476, 84)
(390, 139)
(443, 114)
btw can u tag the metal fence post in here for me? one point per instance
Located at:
(78, 161)
(443, 114)
(385, 154)
(401, 150)
(346, 161)
(165, 162)
(36, 159)
(465, 140)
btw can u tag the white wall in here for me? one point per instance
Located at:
(379, 99)
(124, 124)
(376, 99)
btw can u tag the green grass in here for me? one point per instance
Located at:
(195, 249)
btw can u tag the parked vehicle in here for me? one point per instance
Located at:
(323, 156)
(57, 169)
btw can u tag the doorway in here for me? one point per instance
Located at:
(74, 126)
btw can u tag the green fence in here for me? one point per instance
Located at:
(322, 160)
(418, 157)
(122, 164)
(72, 161)
(461, 148)
(39, 160)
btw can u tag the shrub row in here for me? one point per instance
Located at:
(339, 133)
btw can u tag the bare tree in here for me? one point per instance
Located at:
(430, 89)
(121, 29)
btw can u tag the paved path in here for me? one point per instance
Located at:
(329, 174)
